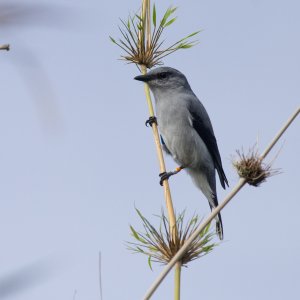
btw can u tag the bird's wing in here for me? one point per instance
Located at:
(202, 124)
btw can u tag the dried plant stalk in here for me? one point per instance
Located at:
(5, 47)
(177, 281)
(162, 166)
(147, 31)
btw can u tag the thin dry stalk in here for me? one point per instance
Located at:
(214, 212)
(4, 47)
(162, 166)
(100, 276)
(177, 281)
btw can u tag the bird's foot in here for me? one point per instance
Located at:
(166, 175)
(150, 121)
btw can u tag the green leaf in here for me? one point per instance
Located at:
(139, 17)
(194, 33)
(153, 249)
(171, 21)
(205, 231)
(193, 221)
(154, 15)
(128, 24)
(189, 36)
(137, 235)
(185, 46)
(139, 213)
(140, 249)
(166, 16)
(113, 40)
(134, 233)
(150, 262)
(208, 248)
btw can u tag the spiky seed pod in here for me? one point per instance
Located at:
(251, 167)
(159, 245)
(143, 49)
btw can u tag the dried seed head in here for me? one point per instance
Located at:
(159, 245)
(142, 44)
(250, 167)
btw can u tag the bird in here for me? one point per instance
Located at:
(186, 133)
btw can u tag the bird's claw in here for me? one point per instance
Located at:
(164, 176)
(150, 121)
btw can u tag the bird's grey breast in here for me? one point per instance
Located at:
(175, 125)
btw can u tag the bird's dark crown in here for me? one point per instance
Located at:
(164, 77)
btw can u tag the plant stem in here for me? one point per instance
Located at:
(4, 47)
(146, 16)
(148, 33)
(162, 166)
(214, 212)
(177, 281)
(100, 276)
(280, 133)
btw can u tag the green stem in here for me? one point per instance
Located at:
(177, 281)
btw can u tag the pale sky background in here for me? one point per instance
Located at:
(75, 155)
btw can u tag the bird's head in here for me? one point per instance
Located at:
(164, 78)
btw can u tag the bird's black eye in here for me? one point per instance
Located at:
(162, 75)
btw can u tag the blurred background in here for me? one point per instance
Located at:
(75, 156)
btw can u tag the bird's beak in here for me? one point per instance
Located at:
(144, 78)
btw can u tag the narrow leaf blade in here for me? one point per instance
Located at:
(154, 15)
(113, 40)
(150, 262)
(134, 233)
(171, 22)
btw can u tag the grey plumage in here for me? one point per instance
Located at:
(186, 131)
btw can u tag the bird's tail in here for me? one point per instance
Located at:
(219, 226)
(209, 190)
(218, 218)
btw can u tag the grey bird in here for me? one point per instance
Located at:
(186, 132)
